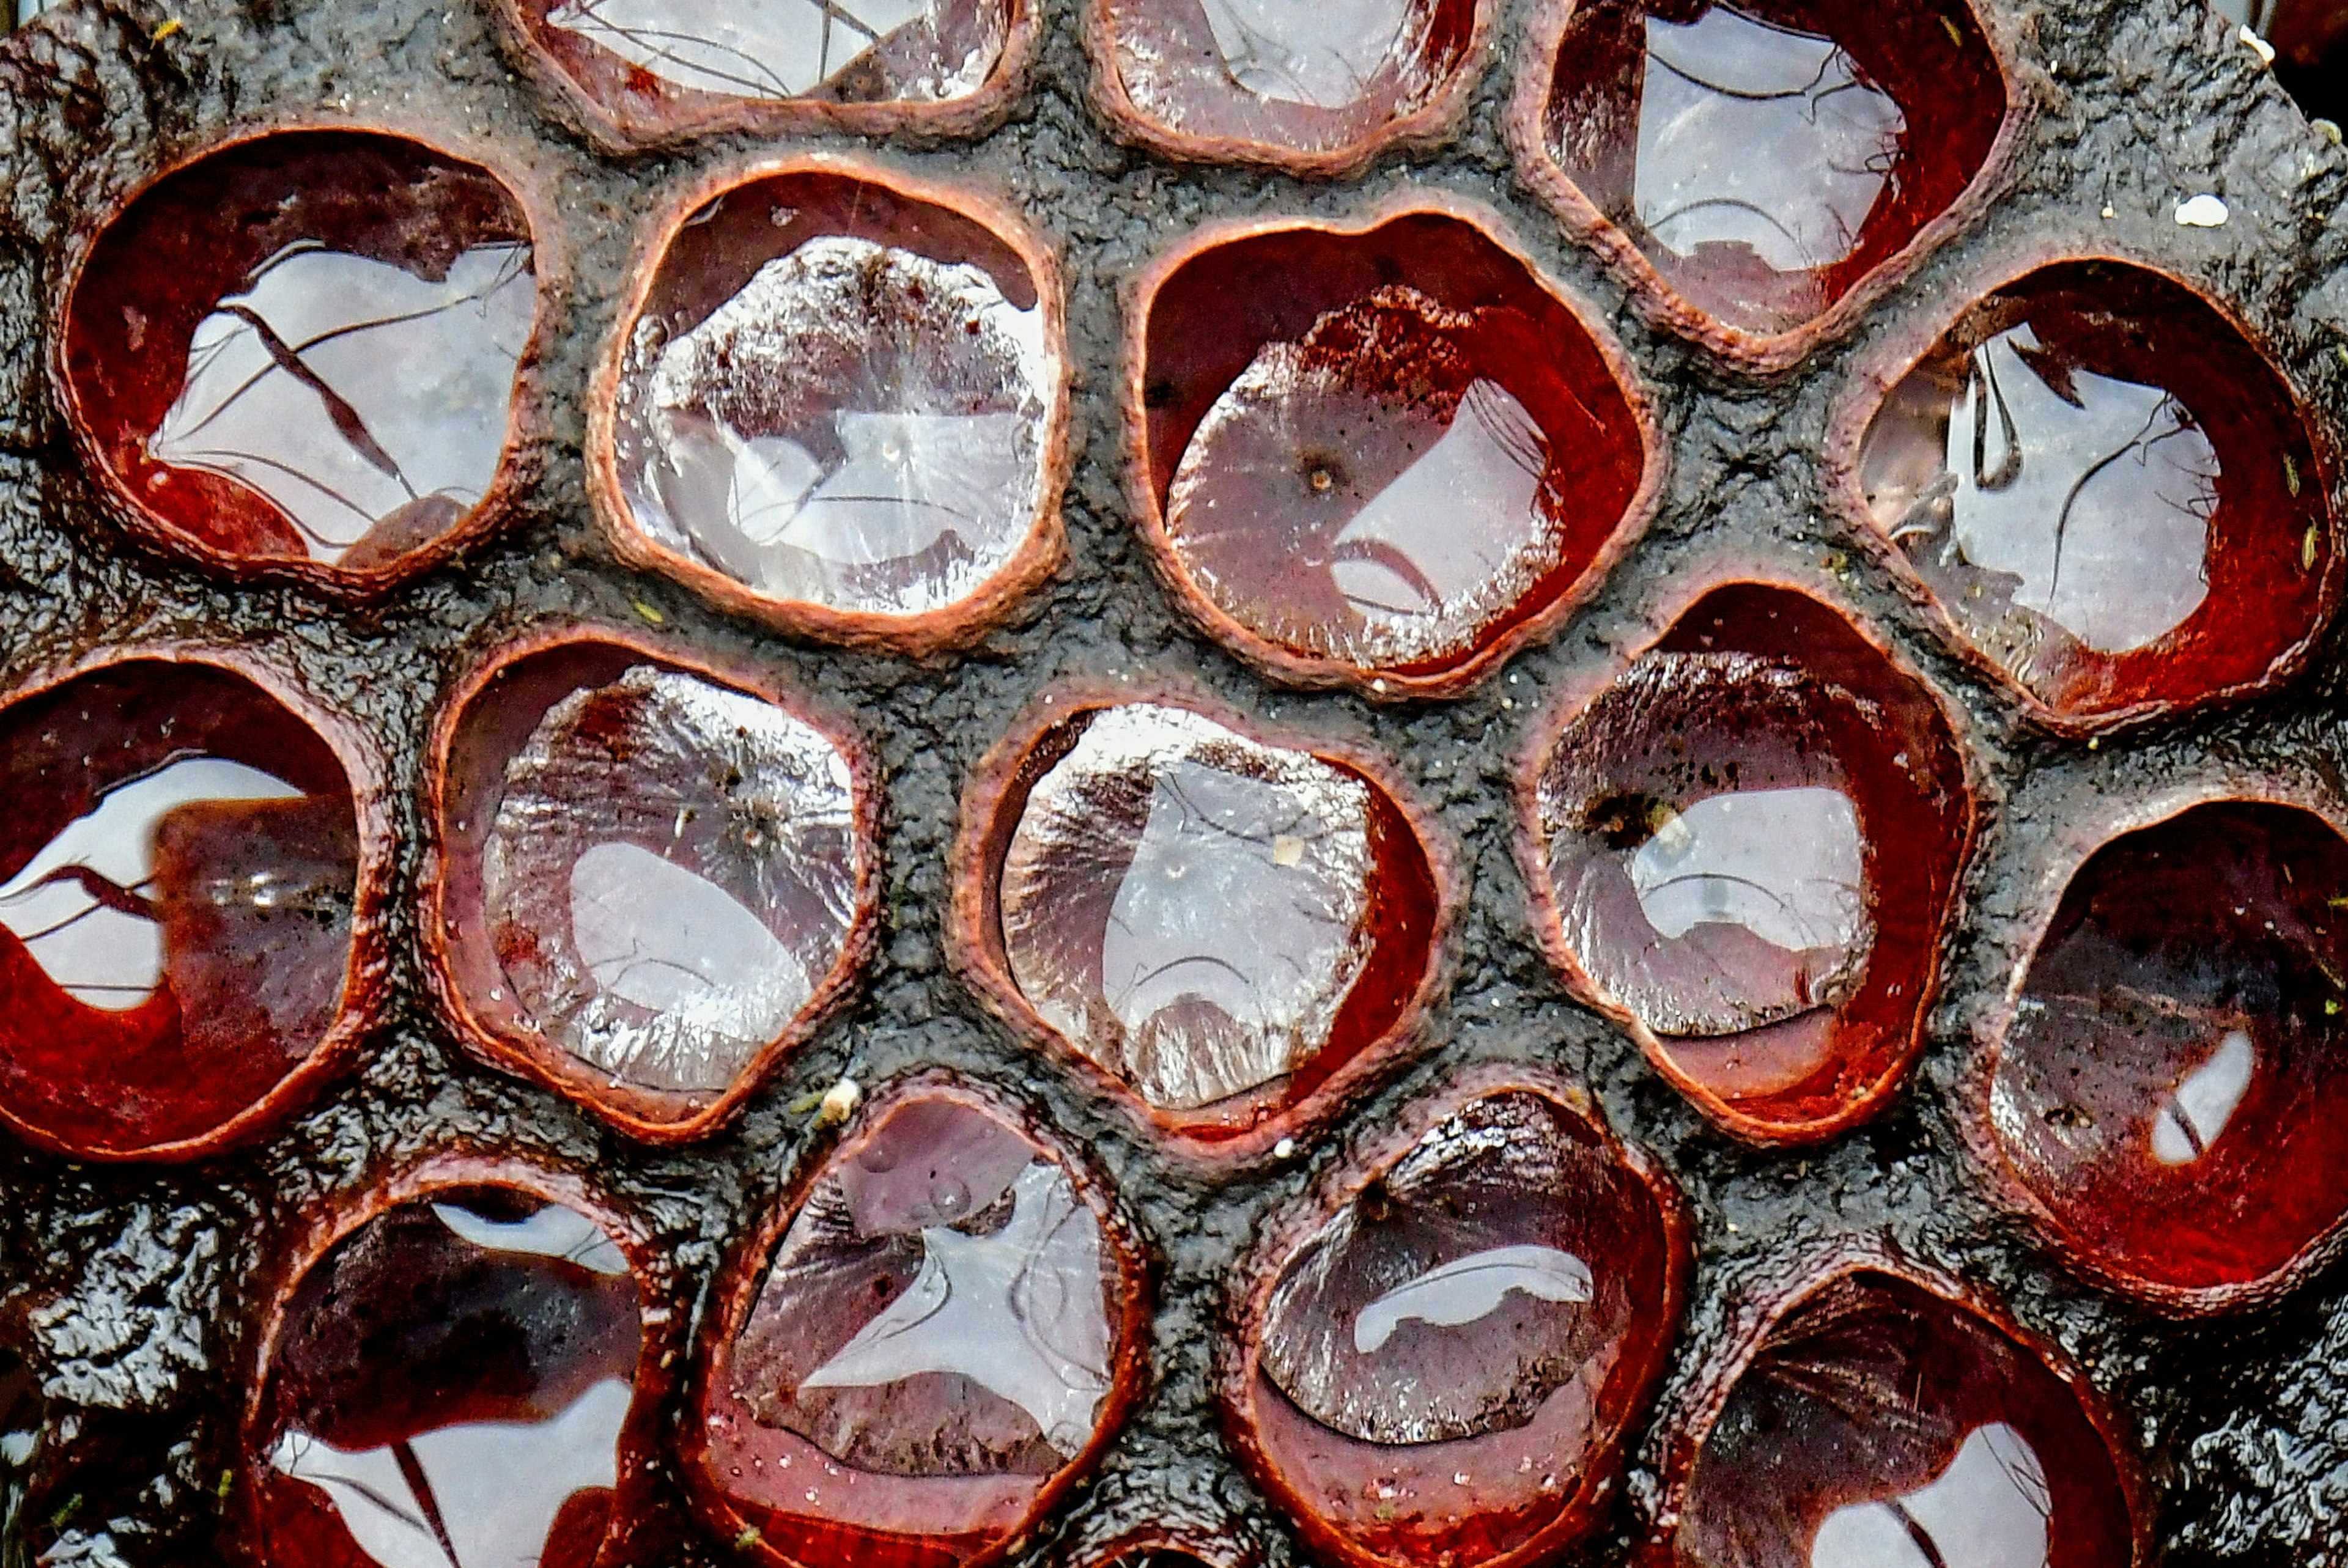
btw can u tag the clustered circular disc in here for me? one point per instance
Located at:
(300, 352)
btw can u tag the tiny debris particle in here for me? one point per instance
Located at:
(1950, 27)
(1284, 1150)
(2259, 46)
(1287, 850)
(2203, 211)
(840, 1103)
(2307, 547)
(2290, 475)
(2108, 211)
(169, 28)
(747, 1539)
(649, 613)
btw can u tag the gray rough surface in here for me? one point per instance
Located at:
(132, 1289)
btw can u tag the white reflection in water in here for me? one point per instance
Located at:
(1785, 863)
(1761, 138)
(742, 49)
(1471, 1288)
(1021, 1313)
(1322, 54)
(2206, 1100)
(2096, 492)
(557, 1230)
(483, 1494)
(348, 390)
(1990, 1508)
(1208, 912)
(1453, 523)
(872, 419)
(655, 934)
(83, 905)
(1236, 926)
(907, 483)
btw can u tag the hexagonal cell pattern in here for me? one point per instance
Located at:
(180, 886)
(2168, 1094)
(300, 351)
(1747, 846)
(1221, 924)
(1884, 1424)
(2109, 493)
(451, 1383)
(1378, 454)
(1755, 161)
(1444, 1363)
(653, 878)
(839, 403)
(929, 1353)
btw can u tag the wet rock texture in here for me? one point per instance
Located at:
(133, 1292)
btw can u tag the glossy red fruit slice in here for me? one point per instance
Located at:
(655, 879)
(1746, 846)
(2166, 1095)
(1223, 926)
(1757, 161)
(300, 352)
(1384, 456)
(179, 892)
(1315, 90)
(839, 402)
(651, 70)
(1883, 1425)
(454, 1381)
(936, 1346)
(2111, 494)
(1443, 1365)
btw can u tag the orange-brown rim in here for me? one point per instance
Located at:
(1694, 1409)
(2106, 820)
(1681, 591)
(974, 930)
(1657, 301)
(739, 1279)
(518, 461)
(1885, 365)
(956, 625)
(330, 1223)
(650, 1114)
(1432, 122)
(1240, 1354)
(973, 115)
(368, 978)
(1286, 664)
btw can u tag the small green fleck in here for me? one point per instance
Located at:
(1955, 36)
(649, 613)
(2290, 475)
(71, 1506)
(2307, 547)
(227, 1484)
(166, 30)
(747, 1539)
(2331, 1007)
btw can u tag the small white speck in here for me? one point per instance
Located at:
(2264, 50)
(1378, 685)
(2108, 211)
(2203, 211)
(1284, 1150)
(840, 1103)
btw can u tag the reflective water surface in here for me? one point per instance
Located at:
(940, 1307)
(860, 427)
(2167, 1088)
(1325, 56)
(368, 400)
(780, 48)
(1368, 494)
(671, 874)
(1882, 1427)
(1188, 907)
(1760, 140)
(449, 1391)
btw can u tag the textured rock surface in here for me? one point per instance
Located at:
(142, 1284)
